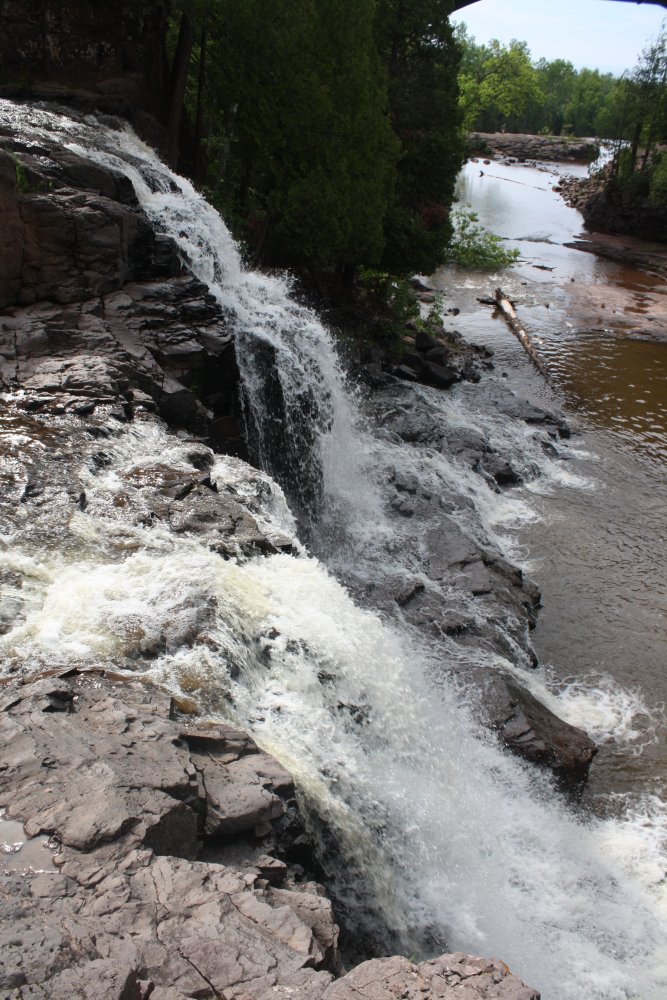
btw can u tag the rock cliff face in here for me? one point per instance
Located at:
(608, 208)
(109, 56)
(98, 308)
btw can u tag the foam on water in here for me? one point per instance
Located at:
(607, 710)
(438, 828)
(493, 862)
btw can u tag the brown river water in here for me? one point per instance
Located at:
(598, 548)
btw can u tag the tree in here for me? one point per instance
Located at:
(301, 154)
(509, 89)
(500, 86)
(328, 131)
(556, 80)
(590, 92)
(416, 44)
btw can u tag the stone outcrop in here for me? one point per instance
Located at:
(97, 307)
(608, 207)
(549, 148)
(462, 591)
(438, 358)
(131, 796)
(102, 56)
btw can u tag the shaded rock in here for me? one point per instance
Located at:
(87, 288)
(111, 60)
(241, 795)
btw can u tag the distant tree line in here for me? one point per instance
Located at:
(501, 87)
(328, 132)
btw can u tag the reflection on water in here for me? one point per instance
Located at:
(601, 327)
(619, 383)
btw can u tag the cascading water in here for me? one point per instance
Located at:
(457, 842)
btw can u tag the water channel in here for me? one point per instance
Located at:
(451, 837)
(598, 551)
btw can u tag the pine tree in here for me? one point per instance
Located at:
(416, 42)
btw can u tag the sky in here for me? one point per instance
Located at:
(601, 34)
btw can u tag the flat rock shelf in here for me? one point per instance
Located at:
(133, 797)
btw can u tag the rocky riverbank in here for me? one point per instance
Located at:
(178, 845)
(607, 207)
(520, 148)
(172, 874)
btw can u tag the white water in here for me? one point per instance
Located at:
(452, 833)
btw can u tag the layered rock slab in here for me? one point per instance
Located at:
(127, 792)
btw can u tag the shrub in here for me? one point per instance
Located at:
(474, 246)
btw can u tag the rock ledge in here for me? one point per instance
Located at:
(132, 798)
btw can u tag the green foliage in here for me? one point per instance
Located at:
(658, 183)
(294, 142)
(416, 44)
(473, 246)
(395, 294)
(327, 131)
(22, 182)
(28, 182)
(502, 88)
(637, 120)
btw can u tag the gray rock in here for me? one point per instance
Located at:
(445, 978)
(133, 914)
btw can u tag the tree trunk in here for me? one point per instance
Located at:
(508, 311)
(179, 79)
(199, 158)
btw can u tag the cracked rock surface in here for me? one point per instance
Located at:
(133, 797)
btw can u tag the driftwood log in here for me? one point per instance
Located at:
(503, 303)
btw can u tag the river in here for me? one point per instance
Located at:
(598, 552)
(452, 840)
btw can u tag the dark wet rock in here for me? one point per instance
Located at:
(131, 912)
(56, 480)
(528, 728)
(438, 358)
(97, 306)
(463, 591)
(500, 470)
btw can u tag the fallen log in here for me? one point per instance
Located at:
(502, 303)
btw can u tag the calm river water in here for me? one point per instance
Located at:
(598, 550)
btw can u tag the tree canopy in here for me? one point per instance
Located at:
(328, 131)
(502, 87)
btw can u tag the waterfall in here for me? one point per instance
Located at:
(450, 839)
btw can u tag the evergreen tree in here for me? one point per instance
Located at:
(416, 43)
(300, 147)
